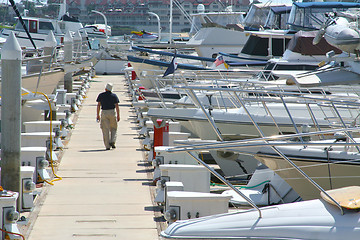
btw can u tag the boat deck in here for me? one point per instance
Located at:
(102, 194)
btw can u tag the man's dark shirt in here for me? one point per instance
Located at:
(107, 100)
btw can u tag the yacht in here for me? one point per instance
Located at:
(39, 28)
(265, 43)
(231, 26)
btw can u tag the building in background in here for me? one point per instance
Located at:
(125, 16)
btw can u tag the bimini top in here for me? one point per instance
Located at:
(281, 9)
(327, 4)
(311, 15)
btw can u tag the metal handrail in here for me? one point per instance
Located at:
(278, 151)
(259, 141)
(288, 94)
(344, 125)
(291, 118)
(288, 160)
(207, 115)
(272, 116)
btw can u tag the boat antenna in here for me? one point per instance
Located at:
(22, 22)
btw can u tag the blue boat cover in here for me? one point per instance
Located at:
(172, 54)
(243, 58)
(189, 66)
(164, 64)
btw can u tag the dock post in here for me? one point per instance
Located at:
(77, 45)
(68, 58)
(85, 43)
(68, 48)
(11, 55)
(49, 46)
(68, 82)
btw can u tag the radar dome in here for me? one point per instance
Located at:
(201, 8)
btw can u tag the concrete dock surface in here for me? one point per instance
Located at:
(102, 194)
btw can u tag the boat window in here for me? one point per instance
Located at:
(278, 17)
(195, 26)
(256, 17)
(62, 25)
(259, 46)
(223, 19)
(33, 26)
(46, 26)
(20, 27)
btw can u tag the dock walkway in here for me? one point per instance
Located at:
(102, 194)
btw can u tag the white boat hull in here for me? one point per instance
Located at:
(46, 84)
(212, 40)
(312, 220)
(235, 123)
(24, 41)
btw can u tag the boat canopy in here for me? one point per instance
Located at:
(311, 15)
(258, 15)
(212, 19)
(302, 43)
(327, 5)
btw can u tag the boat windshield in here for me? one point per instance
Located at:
(311, 15)
(215, 19)
(256, 16)
(278, 17)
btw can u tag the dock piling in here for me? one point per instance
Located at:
(11, 55)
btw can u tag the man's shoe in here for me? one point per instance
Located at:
(107, 148)
(112, 145)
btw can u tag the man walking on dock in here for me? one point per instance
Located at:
(108, 102)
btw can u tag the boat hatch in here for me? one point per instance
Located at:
(33, 26)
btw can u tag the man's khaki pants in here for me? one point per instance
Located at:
(108, 125)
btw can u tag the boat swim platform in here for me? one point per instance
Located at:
(102, 194)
